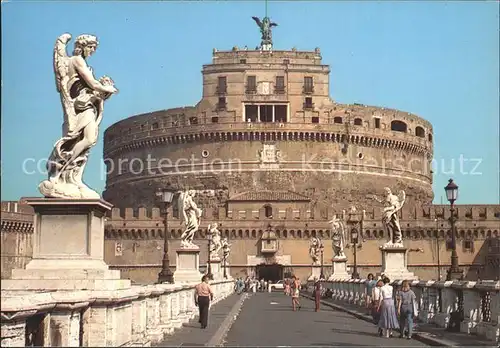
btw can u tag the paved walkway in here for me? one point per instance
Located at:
(427, 333)
(268, 320)
(192, 335)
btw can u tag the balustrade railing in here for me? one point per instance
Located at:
(469, 307)
(139, 316)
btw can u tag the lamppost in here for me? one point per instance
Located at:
(209, 264)
(321, 250)
(225, 253)
(354, 238)
(452, 194)
(166, 195)
(437, 248)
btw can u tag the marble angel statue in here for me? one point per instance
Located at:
(190, 216)
(215, 241)
(390, 218)
(338, 237)
(314, 250)
(226, 248)
(82, 99)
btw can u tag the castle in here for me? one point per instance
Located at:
(273, 158)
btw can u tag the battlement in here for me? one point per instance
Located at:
(426, 213)
(294, 56)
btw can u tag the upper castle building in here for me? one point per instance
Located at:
(266, 127)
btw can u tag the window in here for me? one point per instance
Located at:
(243, 61)
(315, 119)
(155, 125)
(251, 84)
(215, 119)
(419, 132)
(398, 126)
(221, 105)
(251, 113)
(308, 84)
(286, 61)
(358, 122)
(222, 85)
(193, 120)
(429, 137)
(268, 210)
(337, 119)
(308, 104)
(377, 123)
(280, 113)
(279, 87)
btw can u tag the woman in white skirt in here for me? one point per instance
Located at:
(388, 319)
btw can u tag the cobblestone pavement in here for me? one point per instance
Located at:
(192, 335)
(267, 319)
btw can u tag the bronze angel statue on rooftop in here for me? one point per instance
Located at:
(265, 29)
(82, 99)
(390, 219)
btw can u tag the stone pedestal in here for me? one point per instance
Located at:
(216, 268)
(394, 262)
(339, 269)
(188, 266)
(68, 248)
(315, 272)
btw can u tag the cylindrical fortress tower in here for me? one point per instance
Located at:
(266, 122)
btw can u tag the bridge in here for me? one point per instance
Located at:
(453, 313)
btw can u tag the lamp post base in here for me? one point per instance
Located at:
(454, 274)
(165, 276)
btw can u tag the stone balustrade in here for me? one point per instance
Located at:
(469, 307)
(138, 316)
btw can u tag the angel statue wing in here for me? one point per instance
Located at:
(180, 203)
(401, 200)
(61, 67)
(273, 24)
(257, 20)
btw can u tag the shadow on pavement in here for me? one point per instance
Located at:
(364, 333)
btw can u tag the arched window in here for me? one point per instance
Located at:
(358, 122)
(429, 136)
(419, 132)
(399, 126)
(268, 210)
(337, 119)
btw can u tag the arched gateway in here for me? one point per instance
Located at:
(269, 272)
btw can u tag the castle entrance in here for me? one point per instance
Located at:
(269, 272)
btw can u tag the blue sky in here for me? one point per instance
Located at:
(439, 60)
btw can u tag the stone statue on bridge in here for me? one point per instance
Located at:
(226, 248)
(190, 216)
(338, 238)
(215, 241)
(82, 99)
(390, 218)
(314, 250)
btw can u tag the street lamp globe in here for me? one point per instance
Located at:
(354, 235)
(165, 194)
(451, 191)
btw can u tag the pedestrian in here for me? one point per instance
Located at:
(287, 287)
(407, 309)
(388, 319)
(295, 290)
(317, 295)
(376, 297)
(202, 296)
(370, 284)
